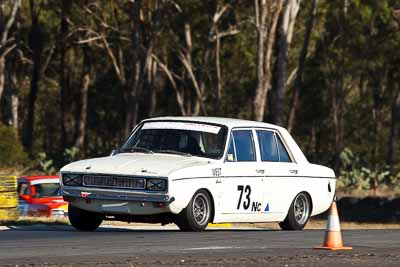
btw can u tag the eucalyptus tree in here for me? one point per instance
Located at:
(266, 20)
(7, 42)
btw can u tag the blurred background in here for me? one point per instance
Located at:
(77, 76)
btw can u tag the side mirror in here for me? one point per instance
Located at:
(114, 152)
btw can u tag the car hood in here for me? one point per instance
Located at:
(135, 164)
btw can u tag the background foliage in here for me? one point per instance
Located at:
(78, 75)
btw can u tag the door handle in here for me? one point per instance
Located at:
(293, 171)
(218, 181)
(260, 171)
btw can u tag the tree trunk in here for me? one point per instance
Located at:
(153, 86)
(215, 35)
(194, 101)
(394, 130)
(138, 62)
(82, 117)
(378, 84)
(336, 126)
(131, 107)
(313, 141)
(267, 14)
(337, 90)
(65, 7)
(2, 75)
(218, 71)
(14, 109)
(14, 99)
(285, 34)
(178, 93)
(5, 26)
(2, 58)
(36, 44)
(298, 83)
(261, 92)
(337, 120)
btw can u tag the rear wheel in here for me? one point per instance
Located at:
(197, 214)
(299, 213)
(84, 220)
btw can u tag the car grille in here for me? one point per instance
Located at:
(114, 181)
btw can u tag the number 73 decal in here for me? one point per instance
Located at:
(245, 192)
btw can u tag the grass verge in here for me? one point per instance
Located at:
(314, 224)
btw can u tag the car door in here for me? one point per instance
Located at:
(23, 195)
(280, 172)
(240, 180)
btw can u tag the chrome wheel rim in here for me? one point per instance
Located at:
(301, 209)
(201, 209)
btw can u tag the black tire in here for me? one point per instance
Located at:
(298, 214)
(197, 214)
(84, 220)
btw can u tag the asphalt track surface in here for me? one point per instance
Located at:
(233, 247)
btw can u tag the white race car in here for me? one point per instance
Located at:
(195, 170)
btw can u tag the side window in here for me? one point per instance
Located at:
(244, 145)
(231, 155)
(23, 189)
(268, 149)
(283, 154)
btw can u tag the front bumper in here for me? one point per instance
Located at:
(58, 213)
(74, 192)
(117, 201)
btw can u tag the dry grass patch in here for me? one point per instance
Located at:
(321, 224)
(37, 220)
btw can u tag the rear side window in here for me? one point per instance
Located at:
(268, 149)
(244, 145)
(283, 154)
(23, 189)
(231, 156)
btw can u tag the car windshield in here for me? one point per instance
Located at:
(181, 138)
(47, 190)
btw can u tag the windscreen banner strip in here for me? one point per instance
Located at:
(182, 126)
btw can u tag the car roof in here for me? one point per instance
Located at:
(31, 178)
(232, 123)
(229, 122)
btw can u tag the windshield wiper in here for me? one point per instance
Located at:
(137, 149)
(170, 151)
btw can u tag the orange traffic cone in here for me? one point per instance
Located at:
(333, 236)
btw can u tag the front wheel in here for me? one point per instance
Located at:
(299, 213)
(84, 220)
(197, 214)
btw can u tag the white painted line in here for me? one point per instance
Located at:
(141, 227)
(213, 248)
(3, 228)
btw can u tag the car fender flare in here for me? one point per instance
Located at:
(182, 198)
